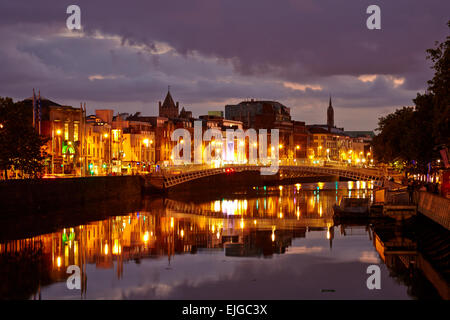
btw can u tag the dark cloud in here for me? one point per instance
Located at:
(213, 52)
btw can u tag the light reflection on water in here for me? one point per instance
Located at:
(215, 249)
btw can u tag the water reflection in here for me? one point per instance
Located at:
(196, 241)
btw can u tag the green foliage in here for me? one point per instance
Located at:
(410, 137)
(20, 145)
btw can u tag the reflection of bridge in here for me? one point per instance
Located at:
(180, 175)
(184, 210)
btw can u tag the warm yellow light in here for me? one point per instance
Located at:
(255, 144)
(298, 186)
(145, 141)
(106, 249)
(280, 146)
(58, 132)
(182, 141)
(58, 262)
(328, 150)
(273, 236)
(242, 224)
(218, 235)
(145, 237)
(171, 222)
(241, 143)
(105, 135)
(298, 147)
(182, 233)
(254, 222)
(116, 247)
(320, 147)
(280, 187)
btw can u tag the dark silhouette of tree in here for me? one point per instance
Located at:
(410, 137)
(20, 144)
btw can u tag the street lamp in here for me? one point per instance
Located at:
(58, 133)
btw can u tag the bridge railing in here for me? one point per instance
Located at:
(178, 169)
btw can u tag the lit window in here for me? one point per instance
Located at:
(75, 132)
(66, 131)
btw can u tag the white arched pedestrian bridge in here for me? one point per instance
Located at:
(174, 176)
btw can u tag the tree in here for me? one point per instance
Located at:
(20, 144)
(439, 90)
(411, 136)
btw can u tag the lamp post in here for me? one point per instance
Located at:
(58, 133)
(106, 136)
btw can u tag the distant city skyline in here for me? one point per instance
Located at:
(213, 54)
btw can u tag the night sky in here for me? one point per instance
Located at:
(214, 53)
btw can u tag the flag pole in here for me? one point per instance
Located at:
(39, 111)
(34, 109)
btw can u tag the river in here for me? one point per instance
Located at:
(272, 242)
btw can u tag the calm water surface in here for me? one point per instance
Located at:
(268, 243)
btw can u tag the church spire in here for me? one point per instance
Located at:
(330, 116)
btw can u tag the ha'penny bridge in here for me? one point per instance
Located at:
(176, 176)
